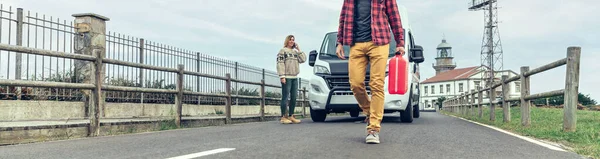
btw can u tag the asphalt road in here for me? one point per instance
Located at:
(431, 136)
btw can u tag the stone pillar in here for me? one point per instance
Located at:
(91, 40)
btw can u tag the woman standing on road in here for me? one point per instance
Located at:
(289, 59)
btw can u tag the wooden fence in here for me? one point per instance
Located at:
(96, 87)
(465, 103)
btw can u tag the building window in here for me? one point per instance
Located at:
(517, 87)
(426, 90)
(432, 89)
(448, 88)
(441, 89)
(460, 87)
(477, 84)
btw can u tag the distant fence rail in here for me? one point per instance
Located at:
(465, 103)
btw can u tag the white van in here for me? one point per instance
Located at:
(329, 88)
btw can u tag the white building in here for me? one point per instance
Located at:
(450, 82)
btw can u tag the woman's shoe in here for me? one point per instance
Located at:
(285, 120)
(294, 120)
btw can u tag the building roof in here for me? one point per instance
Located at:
(456, 74)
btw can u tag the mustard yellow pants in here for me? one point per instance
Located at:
(361, 55)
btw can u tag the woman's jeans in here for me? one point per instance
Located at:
(290, 88)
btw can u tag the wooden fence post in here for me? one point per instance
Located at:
(97, 95)
(18, 55)
(465, 104)
(473, 110)
(141, 71)
(505, 96)
(451, 106)
(458, 104)
(304, 102)
(228, 104)
(262, 100)
(455, 104)
(468, 101)
(462, 104)
(492, 98)
(179, 95)
(571, 89)
(525, 112)
(479, 101)
(460, 101)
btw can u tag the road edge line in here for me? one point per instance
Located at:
(540, 143)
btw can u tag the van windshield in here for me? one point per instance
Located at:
(328, 47)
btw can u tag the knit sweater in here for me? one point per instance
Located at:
(288, 62)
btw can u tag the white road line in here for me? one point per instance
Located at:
(203, 153)
(552, 147)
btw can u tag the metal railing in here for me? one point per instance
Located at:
(30, 29)
(465, 103)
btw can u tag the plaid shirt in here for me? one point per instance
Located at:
(384, 13)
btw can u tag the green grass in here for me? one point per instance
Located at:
(546, 124)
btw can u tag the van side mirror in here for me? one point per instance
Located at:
(416, 54)
(312, 57)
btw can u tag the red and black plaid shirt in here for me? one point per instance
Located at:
(384, 13)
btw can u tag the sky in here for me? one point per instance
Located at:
(252, 31)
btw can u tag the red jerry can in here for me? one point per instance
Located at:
(398, 75)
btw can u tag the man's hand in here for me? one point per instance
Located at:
(401, 50)
(340, 52)
(283, 80)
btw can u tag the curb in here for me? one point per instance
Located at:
(546, 144)
(44, 133)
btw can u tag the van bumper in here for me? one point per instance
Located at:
(340, 99)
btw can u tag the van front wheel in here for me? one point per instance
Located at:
(407, 115)
(318, 115)
(416, 112)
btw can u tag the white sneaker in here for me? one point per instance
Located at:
(372, 137)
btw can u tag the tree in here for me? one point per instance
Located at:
(559, 100)
(586, 100)
(440, 100)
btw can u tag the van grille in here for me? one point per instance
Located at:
(342, 81)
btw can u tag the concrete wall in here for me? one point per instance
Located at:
(55, 110)
(30, 110)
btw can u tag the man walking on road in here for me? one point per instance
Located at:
(365, 27)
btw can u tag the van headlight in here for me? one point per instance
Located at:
(320, 70)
